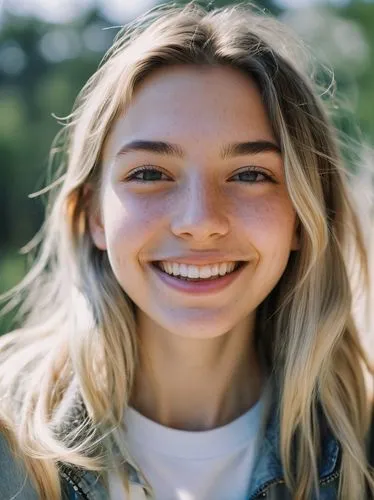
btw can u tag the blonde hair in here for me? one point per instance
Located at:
(77, 321)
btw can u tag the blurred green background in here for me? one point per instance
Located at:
(49, 48)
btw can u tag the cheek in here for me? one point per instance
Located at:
(268, 226)
(269, 221)
(129, 221)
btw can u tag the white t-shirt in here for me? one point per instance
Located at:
(184, 465)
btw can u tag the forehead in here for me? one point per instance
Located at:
(193, 106)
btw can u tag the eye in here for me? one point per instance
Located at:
(253, 173)
(149, 174)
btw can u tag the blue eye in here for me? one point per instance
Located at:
(253, 174)
(150, 174)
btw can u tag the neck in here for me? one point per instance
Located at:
(197, 384)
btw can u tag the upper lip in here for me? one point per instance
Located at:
(200, 259)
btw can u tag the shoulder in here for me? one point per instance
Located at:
(15, 482)
(14, 479)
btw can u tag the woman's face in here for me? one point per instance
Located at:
(204, 199)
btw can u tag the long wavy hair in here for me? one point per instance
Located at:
(75, 320)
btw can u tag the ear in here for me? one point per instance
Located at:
(295, 245)
(94, 217)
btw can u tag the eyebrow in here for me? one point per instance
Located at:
(228, 151)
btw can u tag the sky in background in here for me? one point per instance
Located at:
(115, 10)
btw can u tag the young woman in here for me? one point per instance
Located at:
(187, 329)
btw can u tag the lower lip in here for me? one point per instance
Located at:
(199, 287)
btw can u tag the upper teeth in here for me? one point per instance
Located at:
(191, 271)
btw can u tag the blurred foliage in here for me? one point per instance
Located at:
(43, 66)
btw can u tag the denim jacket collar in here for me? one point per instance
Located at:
(268, 468)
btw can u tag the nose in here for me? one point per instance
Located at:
(201, 213)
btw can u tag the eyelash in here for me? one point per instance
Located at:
(268, 178)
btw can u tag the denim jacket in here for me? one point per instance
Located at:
(267, 476)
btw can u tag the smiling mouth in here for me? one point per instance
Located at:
(239, 265)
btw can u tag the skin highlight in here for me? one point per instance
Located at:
(190, 374)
